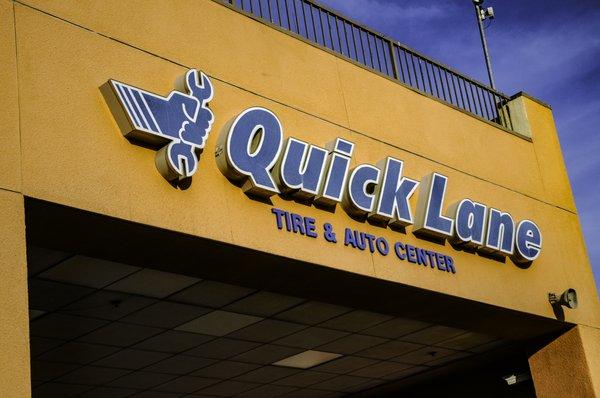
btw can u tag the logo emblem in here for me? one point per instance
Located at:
(177, 125)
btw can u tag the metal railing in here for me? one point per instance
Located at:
(343, 36)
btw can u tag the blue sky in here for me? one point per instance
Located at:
(548, 48)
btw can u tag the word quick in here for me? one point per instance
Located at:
(253, 152)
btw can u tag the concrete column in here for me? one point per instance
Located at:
(518, 115)
(569, 366)
(14, 315)
(15, 379)
(533, 119)
(10, 150)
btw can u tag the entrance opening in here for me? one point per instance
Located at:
(108, 321)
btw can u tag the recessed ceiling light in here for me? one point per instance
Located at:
(516, 378)
(307, 359)
(510, 380)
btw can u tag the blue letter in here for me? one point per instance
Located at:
(349, 238)
(302, 168)
(411, 254)
(309, 222)
(528, 242)
(393, 194)
(339, 162)
(278, 214)
(500, 233)
(449, 264)
(469, 222)
(430, 220)
(360, 198)
(251, 147)
(382, 246)
(397, 247)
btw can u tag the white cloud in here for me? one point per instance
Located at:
(550, 56)
(386, 15)
(541, 57)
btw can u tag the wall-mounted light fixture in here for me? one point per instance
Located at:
(567, 299)
(516, 378)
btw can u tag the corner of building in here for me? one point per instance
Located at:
(14, 318)
(568, 366)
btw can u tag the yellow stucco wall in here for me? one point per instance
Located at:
(568, 366)
(63, 145)
(281, 68)
(14, 318)
(10, 177)
(74, 154)
(590, 338)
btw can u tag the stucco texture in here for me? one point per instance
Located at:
(569, 366)
(10, 150)
(14, 318)
(74, 154)
(67, 149)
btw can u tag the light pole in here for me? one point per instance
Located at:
(483, 14)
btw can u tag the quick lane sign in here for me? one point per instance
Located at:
(253, 152)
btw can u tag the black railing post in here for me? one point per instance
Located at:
(457, 89)
(394, 59)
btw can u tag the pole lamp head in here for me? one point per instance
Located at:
(486, 13)
(567, 299)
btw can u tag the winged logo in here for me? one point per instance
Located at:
(177, 125)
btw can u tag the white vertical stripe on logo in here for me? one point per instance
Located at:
(130, 109)
(137, 106)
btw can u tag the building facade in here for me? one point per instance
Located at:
(203, 199)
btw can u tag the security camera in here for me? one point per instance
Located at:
(567, 299)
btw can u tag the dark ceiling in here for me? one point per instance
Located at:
(107, 329)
